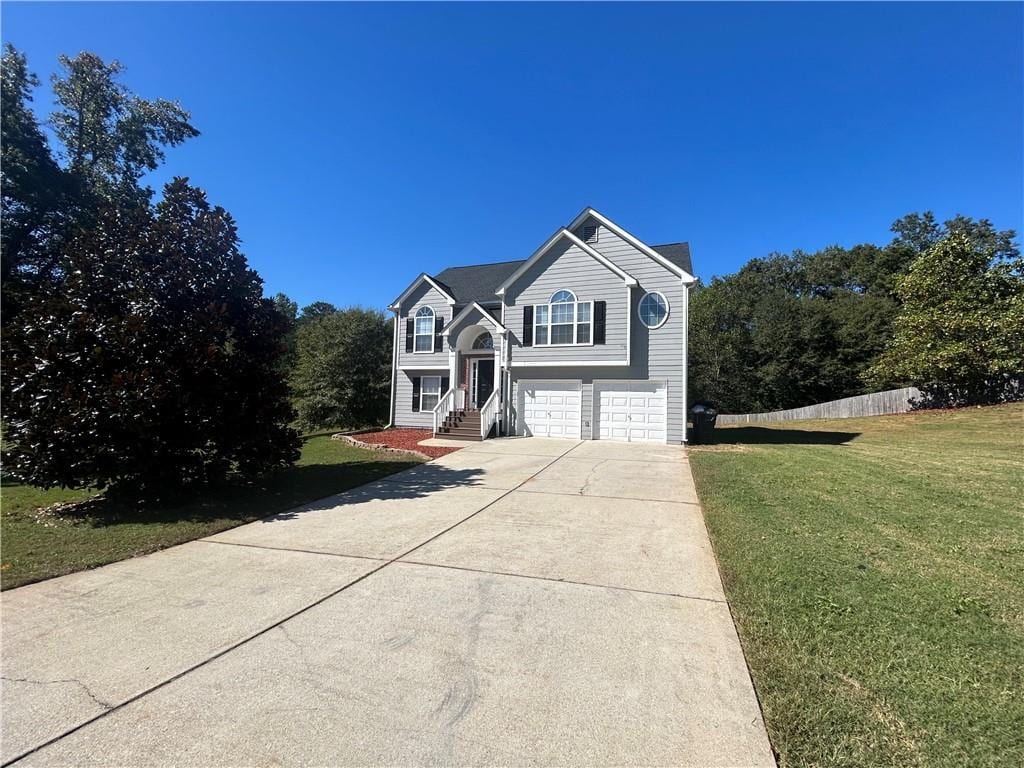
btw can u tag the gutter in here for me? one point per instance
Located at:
(394, 371)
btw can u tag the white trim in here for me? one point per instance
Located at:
(575, 323)
(575, 298)
(439, 367)
(629, 321)
(465, 310)
(668, 310)
(686, 352)
(564, 363)
(629, 279)
(397, 303)
(594, 402)
(416, 331)
(394, 371)
(634, 241)
(520, 397)
(440, 393)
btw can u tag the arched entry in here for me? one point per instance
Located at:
(477, 365)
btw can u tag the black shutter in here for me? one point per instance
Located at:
(599, 314)
(415, 393)
(438, 327)
(528, 326)
(408, 334)
(444, 385)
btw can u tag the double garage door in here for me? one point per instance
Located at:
(632, 411)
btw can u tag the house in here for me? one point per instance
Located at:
(585, 339)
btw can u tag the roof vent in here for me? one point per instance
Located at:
(590, 233)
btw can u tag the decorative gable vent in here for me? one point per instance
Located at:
(590, 233)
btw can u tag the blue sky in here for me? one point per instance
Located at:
(357, 145)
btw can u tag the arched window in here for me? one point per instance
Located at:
(562, 296)
(483, 341)
(424, 341)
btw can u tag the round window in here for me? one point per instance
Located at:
(653, 310)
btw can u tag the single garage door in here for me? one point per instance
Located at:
(633, 411)
(550, 408)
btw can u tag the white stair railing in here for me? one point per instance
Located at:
(488, 415)
(443, 408)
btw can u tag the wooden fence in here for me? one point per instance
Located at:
(875, 404)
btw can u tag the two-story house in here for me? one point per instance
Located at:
(585, 339)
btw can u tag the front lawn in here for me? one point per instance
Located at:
(38, 545)
(875, 568)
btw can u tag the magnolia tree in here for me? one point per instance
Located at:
(138, 351)
(959, 335)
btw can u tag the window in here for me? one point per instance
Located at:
(424, 341)
(653, 310)
(590, 233)
(562, 321)
(430, 392)
(483, 341)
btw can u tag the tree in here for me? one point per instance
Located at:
(111, 136)
(156, 363)
(315, 311)
(343, 374)
(960, 332)
(38, 200)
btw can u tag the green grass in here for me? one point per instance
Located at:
(42, 545)
(875, 568)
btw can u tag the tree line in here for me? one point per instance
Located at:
(940, 307)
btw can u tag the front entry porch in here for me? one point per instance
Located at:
(471, 409)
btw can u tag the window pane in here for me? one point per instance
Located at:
(424, 325)
(561, 313)
(428, 402)
(561, 334)
(562, 296)
(583, 313)
(424, 343)
(583, 333)
(653, 310)
(542, 335)
(431, 384)
(541, 314)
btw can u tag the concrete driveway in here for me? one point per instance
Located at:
(518, 602)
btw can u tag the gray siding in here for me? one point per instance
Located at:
(404, 414)
(658, 353)
(566, 266)
(425, 295)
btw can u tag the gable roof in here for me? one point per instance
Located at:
(477, 282)
(561, 234)
(588, 212)
(677, 253)
(483, 312)
(424, 277)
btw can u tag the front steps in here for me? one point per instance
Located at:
(460, 425)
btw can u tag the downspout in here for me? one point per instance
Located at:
(394, 372)
(686, 357)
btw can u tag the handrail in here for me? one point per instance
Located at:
(444, 406)
(488, 414)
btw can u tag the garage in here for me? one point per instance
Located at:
(631, 411)
(550, 408)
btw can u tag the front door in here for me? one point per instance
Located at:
(483, 381)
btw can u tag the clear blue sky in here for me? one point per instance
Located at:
(357, 145)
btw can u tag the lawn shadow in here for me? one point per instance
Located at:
(772, 436)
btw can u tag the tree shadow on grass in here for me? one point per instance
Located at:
(770, 436)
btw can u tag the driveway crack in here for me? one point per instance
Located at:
(71, 681)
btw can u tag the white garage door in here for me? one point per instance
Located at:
(633, 411)
(550, 408)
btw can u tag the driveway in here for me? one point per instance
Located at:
(519, 602)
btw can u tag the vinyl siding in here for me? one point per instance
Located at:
(654, 354)
(425, 295)
(404, 414)
(566, 266)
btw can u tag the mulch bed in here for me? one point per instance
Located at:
(405, 439)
